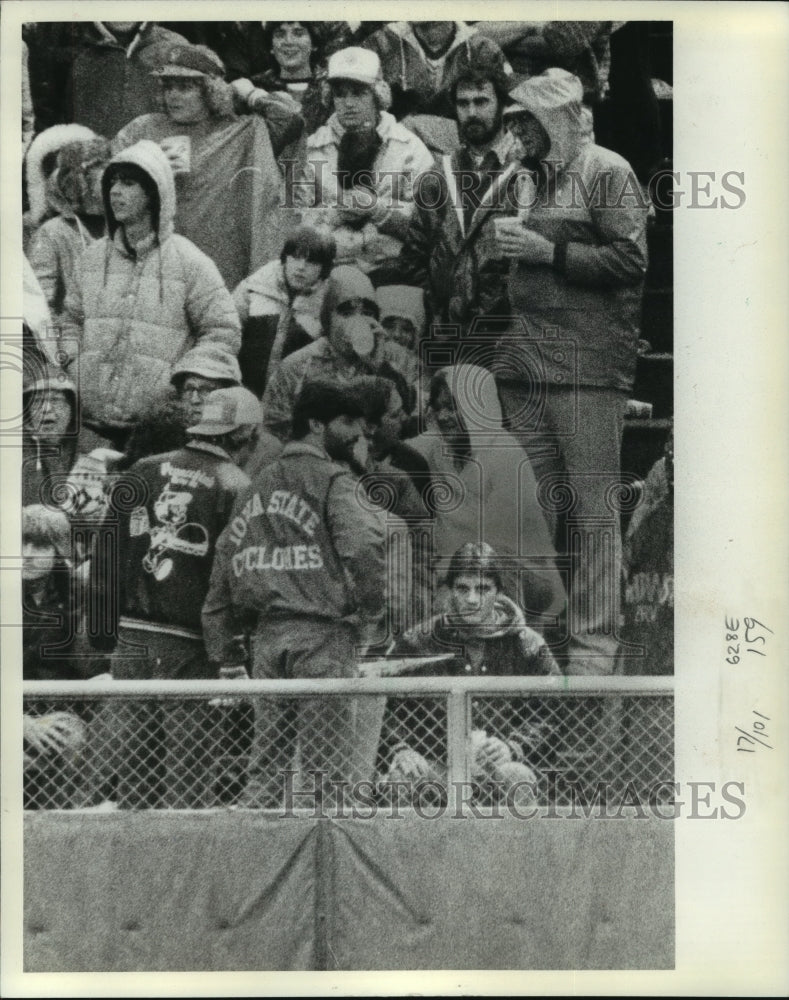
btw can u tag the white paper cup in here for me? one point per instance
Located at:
(178, 149)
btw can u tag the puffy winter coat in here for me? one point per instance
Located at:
(57, 245)
(135, 313)
(595, 212)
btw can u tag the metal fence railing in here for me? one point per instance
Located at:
(371, 740)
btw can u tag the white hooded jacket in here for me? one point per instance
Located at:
(135, 313)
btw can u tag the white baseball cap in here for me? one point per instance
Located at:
(355, 63)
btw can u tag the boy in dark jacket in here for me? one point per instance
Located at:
(489, 636)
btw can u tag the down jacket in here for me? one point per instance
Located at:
(134, 313)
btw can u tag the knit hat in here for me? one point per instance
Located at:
(402, 301)
(346, 282)
(226, 410)
(363, 66)
(209, 361)
(197, 61)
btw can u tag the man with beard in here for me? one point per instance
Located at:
(450, 249)
(301, 568)
(360, 167)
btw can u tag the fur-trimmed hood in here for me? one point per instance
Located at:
(46, 146)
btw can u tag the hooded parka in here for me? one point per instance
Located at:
(595, 212)
(135, 312)
(493, 497)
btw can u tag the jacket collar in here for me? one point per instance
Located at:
(196, 444)
(302, 448)
(386, 123)
(105, 37)
(404, 31)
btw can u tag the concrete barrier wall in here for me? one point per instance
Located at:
(243, 891)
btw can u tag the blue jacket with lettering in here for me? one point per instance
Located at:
(301, 544)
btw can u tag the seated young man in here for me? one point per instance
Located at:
(488, 635)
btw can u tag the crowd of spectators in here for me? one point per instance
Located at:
(317, 330)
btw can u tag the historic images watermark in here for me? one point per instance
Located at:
(521, 800)
(667, 189)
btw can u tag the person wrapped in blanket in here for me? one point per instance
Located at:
(488, 635)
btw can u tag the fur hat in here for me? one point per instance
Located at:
(41, 161)
(73, 162)
(319, 399)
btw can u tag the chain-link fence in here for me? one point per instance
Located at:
(370, 742)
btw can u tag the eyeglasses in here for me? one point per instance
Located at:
(202, 389)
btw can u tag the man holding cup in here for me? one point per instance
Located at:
(452, 250)
(578, 263)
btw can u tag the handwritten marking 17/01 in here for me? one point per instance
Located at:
(753, 635)
(758, 729)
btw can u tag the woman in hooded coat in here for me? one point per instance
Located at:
(485, 490)
(74, 196)
(137, 309)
